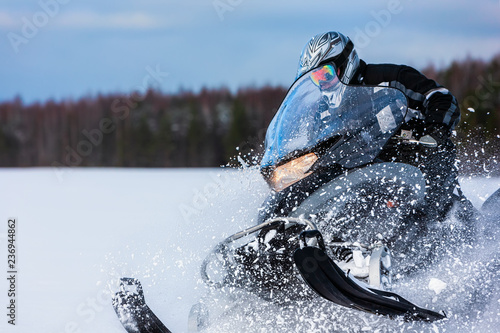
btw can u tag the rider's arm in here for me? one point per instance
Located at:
(434, 103)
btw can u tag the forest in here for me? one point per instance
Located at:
(210, 128)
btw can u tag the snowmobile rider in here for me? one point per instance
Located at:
(433, 113)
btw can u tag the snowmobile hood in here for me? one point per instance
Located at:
(319, 107)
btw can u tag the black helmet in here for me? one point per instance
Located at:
(331, 47)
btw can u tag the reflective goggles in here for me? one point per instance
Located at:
(324, 75)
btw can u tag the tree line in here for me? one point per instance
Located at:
(153, 129)
(210, 127)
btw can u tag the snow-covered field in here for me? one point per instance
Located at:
(79, 230)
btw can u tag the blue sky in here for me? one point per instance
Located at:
(71, 48)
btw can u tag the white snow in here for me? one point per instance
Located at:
(359, 259)
(80, 230)
(437, 285)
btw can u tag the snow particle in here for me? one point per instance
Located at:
(437, 285)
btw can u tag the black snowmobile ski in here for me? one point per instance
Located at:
(332, 283)
(132, 310)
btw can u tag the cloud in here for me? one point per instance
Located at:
(86, 19)
(123, 20)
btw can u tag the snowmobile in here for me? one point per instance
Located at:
(339, 221)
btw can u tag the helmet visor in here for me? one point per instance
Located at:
(324, 76)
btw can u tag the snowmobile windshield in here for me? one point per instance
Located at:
(319, 107)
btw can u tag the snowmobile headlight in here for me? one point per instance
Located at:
(291, 172)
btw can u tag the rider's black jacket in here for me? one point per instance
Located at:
(438, 112)
(427, 100)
